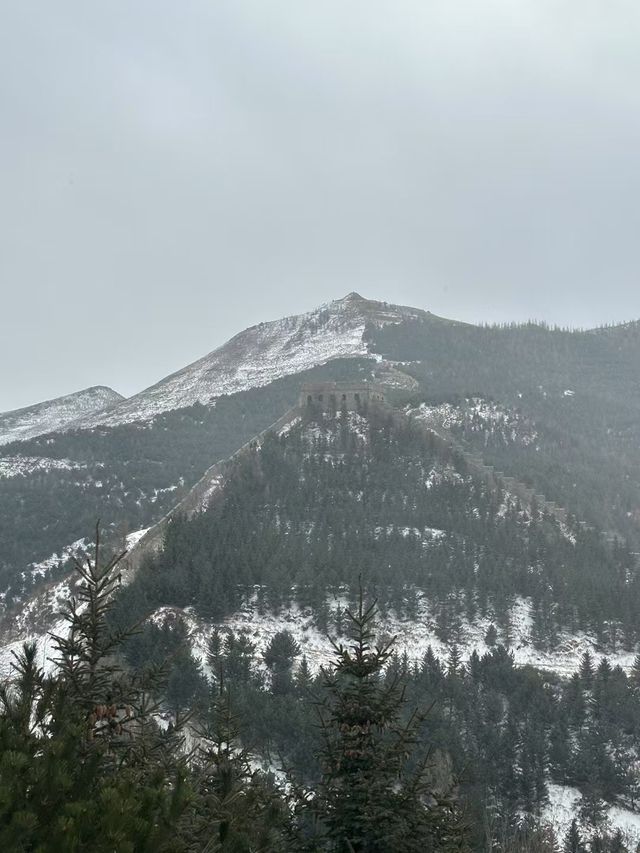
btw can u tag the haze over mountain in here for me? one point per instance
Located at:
(349, 577)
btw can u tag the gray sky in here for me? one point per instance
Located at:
(172, 172)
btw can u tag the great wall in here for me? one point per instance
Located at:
(332, 397)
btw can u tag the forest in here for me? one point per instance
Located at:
(128, 744)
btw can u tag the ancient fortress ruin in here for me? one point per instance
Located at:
(340, 395)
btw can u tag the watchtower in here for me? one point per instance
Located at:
(341, 395)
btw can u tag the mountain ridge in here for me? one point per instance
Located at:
(56, 413)
(258, 355)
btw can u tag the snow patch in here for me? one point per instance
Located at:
(564, 806)
(23, 466)
(42, 568)
(133, 538)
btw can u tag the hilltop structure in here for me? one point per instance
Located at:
(340, 395)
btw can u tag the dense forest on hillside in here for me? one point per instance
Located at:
(503, 733)
(88, 762)
(347, 496)
(95, 756)
(579, 390)
(582, 390)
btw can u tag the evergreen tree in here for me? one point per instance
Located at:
(279, 657)
(573, 839)
(592, 809)
(369, 799)
(491, 637)
(617, 844)
(586, 670)
(238, 809)
(83, 766)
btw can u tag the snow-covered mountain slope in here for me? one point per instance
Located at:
(24, 466)
(263, 353)
(52, 415)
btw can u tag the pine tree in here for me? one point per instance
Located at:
(303, 677)
(573, 840)
(491, 637)
(592, 809)
(455, 660)
(369, 799)
(83, 766)
(586, 670)
(279, 657)
(238, 809)
(617, 844)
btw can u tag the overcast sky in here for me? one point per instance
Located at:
(173, 172)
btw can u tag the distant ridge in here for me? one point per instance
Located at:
(56, 414)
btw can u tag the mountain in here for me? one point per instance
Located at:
(491, 504)
(57, 414)
(557, 411)
(515, 624)
(328, 496)
(493, 593)
(263, 353)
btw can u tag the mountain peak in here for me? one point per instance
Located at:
(59, 413)
(263, 353)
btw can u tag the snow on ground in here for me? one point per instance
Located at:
(215, 484)
(23, 466)
(414, 636)
(44, 645)
(41, 610)
(564, 806)
(427, 534)
(52, 415)
(627, 821)
(287, 428)
(477, 414)
(42, 568)
(135, 537)
(157, 492)
(261, 354)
